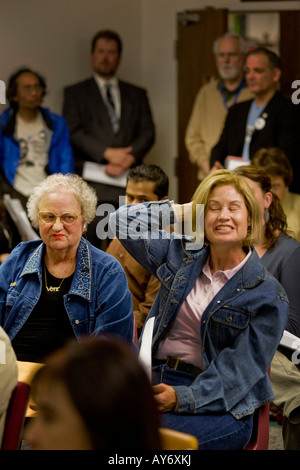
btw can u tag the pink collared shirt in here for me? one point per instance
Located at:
(184, 338)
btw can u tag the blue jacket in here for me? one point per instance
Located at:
(98, 300)
(240, 329)
(60, 154)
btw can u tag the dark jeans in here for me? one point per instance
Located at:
(216, 431)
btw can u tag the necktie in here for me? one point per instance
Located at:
(111, 109)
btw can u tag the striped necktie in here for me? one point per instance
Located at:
(111, 109)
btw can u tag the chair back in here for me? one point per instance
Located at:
(260, 433)
(176, 440)
(15, 417)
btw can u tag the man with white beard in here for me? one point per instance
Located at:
(214, 99)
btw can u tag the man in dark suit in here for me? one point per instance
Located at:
(110, 121)
(269, 120)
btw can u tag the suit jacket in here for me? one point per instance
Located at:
(281, 130)
(90, 127)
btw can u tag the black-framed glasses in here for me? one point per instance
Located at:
(66, 219)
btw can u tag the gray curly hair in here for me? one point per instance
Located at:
(229, 35)
(85, 194)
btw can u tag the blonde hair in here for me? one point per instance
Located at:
(85, 194)
(229, 178)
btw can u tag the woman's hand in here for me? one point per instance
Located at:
(217, 166)
(165, 397)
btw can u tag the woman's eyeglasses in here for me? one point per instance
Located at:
(65, 219)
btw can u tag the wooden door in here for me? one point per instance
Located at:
(196, 33)
(289, 49)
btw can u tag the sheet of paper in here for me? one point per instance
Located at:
(18, 215)
(145, 354)
(96, 173)
(290, 341)
(233, 162)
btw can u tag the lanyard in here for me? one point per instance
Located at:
(221, 88)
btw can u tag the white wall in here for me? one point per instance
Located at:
(54, 38)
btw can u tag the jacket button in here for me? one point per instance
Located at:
(77, 322)
(229, 319)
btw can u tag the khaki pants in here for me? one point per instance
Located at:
(285, 379)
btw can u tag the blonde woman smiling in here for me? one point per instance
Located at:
(219, 315)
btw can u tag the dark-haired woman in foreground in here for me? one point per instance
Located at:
(93, 395)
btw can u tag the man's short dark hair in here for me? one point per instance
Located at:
(152, 173)
(12, 84)
(109, 35)
(274, 59)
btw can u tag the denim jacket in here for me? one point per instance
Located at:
(240, 328)
(98, 300)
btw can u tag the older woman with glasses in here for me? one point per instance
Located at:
(61, 287)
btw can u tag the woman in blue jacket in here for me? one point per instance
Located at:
(219, 315)
(61, 287)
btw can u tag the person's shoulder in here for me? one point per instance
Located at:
(114, 246)
(209, 92)
(286, 250)
(131, 88)
(281, 98)
(6, 113)
(29, 246)
(54, 117)
(241, 106)
(238, 112)
(4, 117)
(25, 249)
(280, 103)
(287, 244)
(82, 85)
(291, 202)
(104, 260)
(245, 95)
(211, 85)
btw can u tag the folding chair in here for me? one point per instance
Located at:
(176, 440)
(260, 433)
(15, 417)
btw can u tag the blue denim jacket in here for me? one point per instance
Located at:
(98, 300)
(240, 329)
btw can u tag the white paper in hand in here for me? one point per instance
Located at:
(290, 341)
(145, 355)
(96, 172)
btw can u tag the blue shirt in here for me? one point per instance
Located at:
(253, 115)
